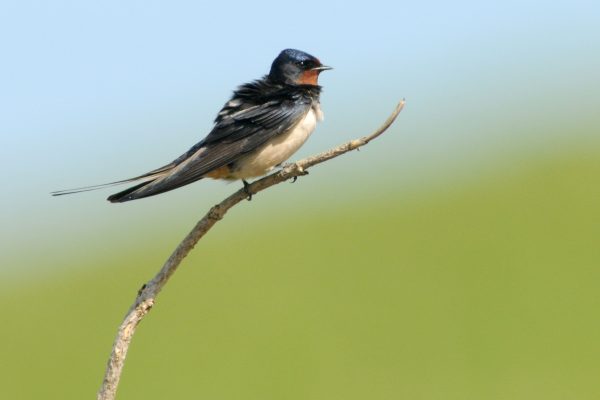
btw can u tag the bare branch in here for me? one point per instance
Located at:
(147, 294)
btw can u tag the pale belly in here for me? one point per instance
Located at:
(278, 150)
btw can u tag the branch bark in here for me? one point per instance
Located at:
(147, 294)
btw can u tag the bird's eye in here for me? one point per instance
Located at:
(302, 63)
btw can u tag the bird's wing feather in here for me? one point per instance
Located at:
(235, 134)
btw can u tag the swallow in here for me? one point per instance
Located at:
(263, 124)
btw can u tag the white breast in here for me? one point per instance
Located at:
(279, 149)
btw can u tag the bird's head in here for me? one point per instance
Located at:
(296, 67)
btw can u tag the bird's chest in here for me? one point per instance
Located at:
(280, 148)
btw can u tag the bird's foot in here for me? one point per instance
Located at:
(247, 190)
(302, 173)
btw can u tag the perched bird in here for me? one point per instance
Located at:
(261, 126)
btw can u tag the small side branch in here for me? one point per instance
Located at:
(148, 293)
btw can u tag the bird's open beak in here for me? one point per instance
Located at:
(321, 68)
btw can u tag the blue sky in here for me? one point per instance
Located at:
(99, 91)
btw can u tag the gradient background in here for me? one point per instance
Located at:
(456, 257)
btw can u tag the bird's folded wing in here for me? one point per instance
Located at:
(233, 136)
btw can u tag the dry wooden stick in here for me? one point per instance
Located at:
(147, 294)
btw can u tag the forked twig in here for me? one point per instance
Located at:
(147, 294)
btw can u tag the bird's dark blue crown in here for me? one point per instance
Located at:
(294, 55)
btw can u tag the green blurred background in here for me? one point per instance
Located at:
(456, 257)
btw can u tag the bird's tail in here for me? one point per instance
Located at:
(89, 188)
(127, 194)
(147, 177)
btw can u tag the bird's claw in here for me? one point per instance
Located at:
(302, 173)
(247, 190)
